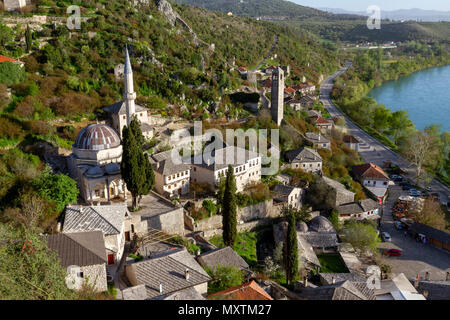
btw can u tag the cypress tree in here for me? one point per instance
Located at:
(28, 39)
(135, 126)
(229, 219)
(137, 172)
(291, 246)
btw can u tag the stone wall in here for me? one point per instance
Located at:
(171, 222)
(95, 276)
(257, 211)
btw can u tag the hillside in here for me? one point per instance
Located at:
(70, 76)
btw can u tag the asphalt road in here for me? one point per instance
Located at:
(370, 149)
(416, 258)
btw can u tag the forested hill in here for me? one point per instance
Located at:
(70, 74)
(263, 8)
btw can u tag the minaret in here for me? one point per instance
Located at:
(277, 95)
(129, 95)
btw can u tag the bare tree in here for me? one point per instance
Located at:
(420, 149)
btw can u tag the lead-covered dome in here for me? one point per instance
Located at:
(321, 224)
(97, 137)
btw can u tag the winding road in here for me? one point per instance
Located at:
(370, 149)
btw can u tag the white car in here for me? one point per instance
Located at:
(386, 237)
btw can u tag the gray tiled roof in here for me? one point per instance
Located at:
(430, 232)
(320, 239)
(107, 218)
(358, 207)
(303, 155)
(164, 165)
(306, 251)
(339, 277)
(224, 257)
(220, 155)
(168, 272)
(316, 137)
(121, 108)
(185, 294)
(336, 185)
(80, 249)
(283, 190)
(345, 290)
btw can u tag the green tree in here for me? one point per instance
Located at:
(224, 277)
(290, 246)
(11, 73)
(28, 38)
(137, 172)
(58, 188)
(362, 236)
(135, 126)
(29, 270)
(334, 219)
(229, 218)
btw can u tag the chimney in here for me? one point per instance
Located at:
(160, 288)
(305, 282)
(198, 252)
(447, 278)
(427, 276)
(333, 280)
(186, 274)
(157, 165)
(81, 209)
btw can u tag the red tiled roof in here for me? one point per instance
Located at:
(271, 68)
(248, 291)
(5, 59)
(370, 170)
(242, 69)
(289, 90)
(321, 120)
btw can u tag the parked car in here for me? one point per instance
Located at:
(429, 188)
(406, 187)
(403, 183)
(393, 252)
(398, 225)
(414, 193)
(386, 237)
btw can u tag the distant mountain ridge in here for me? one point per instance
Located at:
(398, 15)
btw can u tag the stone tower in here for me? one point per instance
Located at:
(129, 95)
(277, 95)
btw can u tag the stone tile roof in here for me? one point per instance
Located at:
(80, 249)
(185, 294)
(221, 154)
(430, 232)
(345, 290)
(358, 207)
(108, 218)
(316, 137)
(337, 186)
(320, 239)
(248, 291)
(340, 277)
(163, 164)
(120, 108)
(321, 224)
(314, 113)
(167, 271)
(370, 171)
(303, 155)
(306, 100)
(223, 256)
(97, 137)
(437, 290)
(306, 251)
(283, 190)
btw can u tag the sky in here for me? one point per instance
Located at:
(387, 5)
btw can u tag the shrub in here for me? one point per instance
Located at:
(224, 278)
(11, 74)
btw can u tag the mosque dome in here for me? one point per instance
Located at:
(321, 224)
(302, 227)
(97, 137)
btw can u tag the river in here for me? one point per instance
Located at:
(424, 94)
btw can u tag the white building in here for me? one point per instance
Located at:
(170, 179)
(288, 195)
(122, 112)
(95, 164)
(363, 209)
(247, 169)
(373, 178)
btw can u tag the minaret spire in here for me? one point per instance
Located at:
(129, 94)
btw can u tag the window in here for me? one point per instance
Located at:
(124, 117)
(195, 169)
(304, 165)
(385, 183)
(80, 274)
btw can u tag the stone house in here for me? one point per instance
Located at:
(322, 124)
(340, 193)
(288, 195)
(318, 140)
(170, 179)
(168, 273)
(109, 219)
(363, 209)
(306, 159)
(351, 142)
(284, 178)
(246, 165)
(85, 254)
